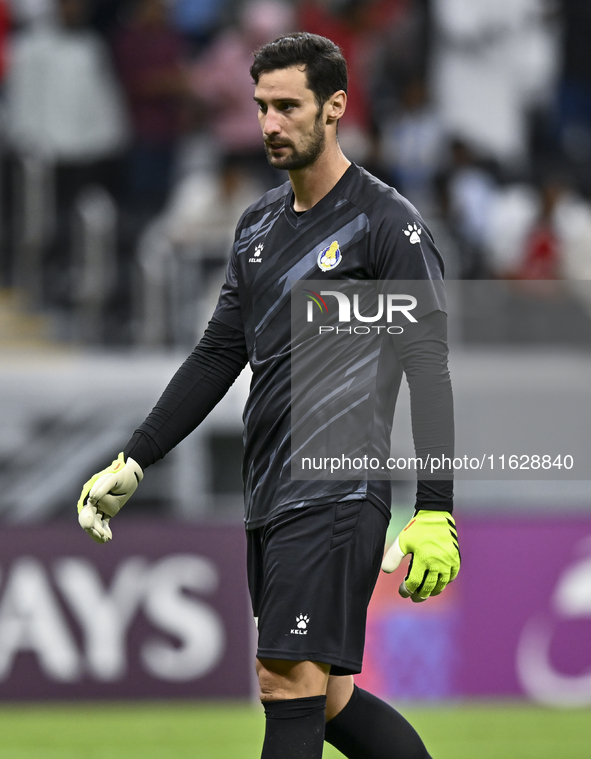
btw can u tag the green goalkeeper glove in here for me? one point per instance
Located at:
(432, 539)
(104, 494)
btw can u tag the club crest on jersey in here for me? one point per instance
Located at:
(329, 257)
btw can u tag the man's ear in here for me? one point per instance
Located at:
(335, 106)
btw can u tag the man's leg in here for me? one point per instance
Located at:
(294, 698)
(362, 726)
(311, 575)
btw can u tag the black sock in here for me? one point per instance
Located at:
(368, 728)
(294, 728)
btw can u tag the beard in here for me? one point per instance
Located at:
(304, 156)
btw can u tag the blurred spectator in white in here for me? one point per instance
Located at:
(200, 222)
(64, 103)
(573, 224)
(65, 111)
(25, 12)
(206, 206)
(182, 254)
(492, 63)
(149, 53)
(513, 213)
(413, 145)
(220, 79)
(467, 195)
(361, 29)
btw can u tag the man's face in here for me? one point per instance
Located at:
(293, 125)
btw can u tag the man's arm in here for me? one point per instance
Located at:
(196, 388)
(423, 353)
(431, 535)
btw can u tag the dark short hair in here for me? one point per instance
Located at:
(325, 65)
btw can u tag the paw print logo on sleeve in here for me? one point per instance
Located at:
(413, 233)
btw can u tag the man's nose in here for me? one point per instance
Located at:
(271, 123)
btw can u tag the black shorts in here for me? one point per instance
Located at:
(311, 573)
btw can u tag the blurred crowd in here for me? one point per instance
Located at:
(130, 143)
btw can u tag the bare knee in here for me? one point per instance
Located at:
(280, 679)
(274, 676)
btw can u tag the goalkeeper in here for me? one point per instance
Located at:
(314, 548)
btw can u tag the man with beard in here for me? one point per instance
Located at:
(314, 547)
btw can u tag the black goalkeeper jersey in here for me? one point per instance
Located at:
(361, 230)
(380, 236)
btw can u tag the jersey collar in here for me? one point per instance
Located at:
(322, 204)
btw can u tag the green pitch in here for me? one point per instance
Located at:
(234, 731)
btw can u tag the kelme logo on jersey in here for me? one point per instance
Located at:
(256, 259)
(330, 257)
(413, 233)
(301, 628)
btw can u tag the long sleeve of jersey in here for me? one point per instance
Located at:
(197, 387)
(211, 369)
(424, 360)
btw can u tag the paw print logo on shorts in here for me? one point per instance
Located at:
(413, 233)
(302, 621)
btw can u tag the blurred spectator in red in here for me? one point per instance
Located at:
(542, 254)
(541, 233)
(149, 55)
(4, 32)
(533, 247)
(220, 79)
(360, 29)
